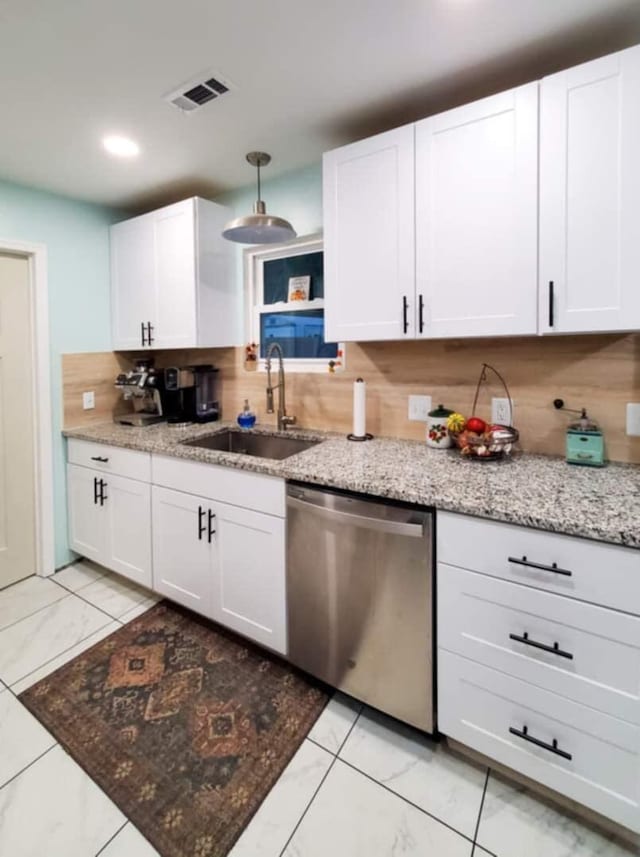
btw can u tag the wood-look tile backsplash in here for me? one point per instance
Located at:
(599, 372)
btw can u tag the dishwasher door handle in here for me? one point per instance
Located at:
(397, 528)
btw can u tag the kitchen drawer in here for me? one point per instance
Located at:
(110, 459)
(477, 614)
(226, 484)
(602, 574)
(478, 706)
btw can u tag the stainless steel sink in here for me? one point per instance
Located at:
(260, 445)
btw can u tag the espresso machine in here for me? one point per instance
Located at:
(195, 390)
(144, 387)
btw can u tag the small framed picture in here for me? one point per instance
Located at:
(299, 288)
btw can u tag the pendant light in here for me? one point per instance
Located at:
(259, 227)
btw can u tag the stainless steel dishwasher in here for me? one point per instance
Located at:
(360, 598)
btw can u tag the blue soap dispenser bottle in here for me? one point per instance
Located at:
(246, 417)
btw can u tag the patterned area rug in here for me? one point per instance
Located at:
(184, 726)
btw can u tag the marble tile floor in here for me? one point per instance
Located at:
(361, 785)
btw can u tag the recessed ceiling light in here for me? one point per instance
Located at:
(122, 147)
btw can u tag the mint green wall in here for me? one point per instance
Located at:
(77, 240)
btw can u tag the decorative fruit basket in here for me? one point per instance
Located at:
(477, 439)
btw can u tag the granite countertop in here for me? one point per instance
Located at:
(531, 490)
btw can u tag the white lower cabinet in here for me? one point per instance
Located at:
(184, 555)
(110, 521)
(251, 586)
(223, 561)
(539, 658)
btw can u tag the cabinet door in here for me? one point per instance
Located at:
(128, 505)
(250, 594)
(132, 281)
(589, 192)
(183, 556)
(88, 525)
(476, 218)
(369, 231)
(174, 325)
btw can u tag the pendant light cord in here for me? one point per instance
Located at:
(258, 166)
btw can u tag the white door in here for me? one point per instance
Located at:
(174, 325)
(476, 218)
(250, 595)
(132, 282)
(369, 231)
(589, 192)
(183, 552)
(17, 489)
(88, 518)
(128, 506)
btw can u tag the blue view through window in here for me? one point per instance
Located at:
(299, 333)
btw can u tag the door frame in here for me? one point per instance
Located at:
(36, 257)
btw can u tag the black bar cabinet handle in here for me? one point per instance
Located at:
(149, 329)
(99, 458)
(552, 748)
(553, 567)
(554, 650)
(421, 314)
(551, 303)
(211, 518)
(95, 490)
(142, 326)
(103, 496)
(405, 318)
(201, 526)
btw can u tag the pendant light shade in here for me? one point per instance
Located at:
(259, 227)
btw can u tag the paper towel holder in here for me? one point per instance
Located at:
(357, 437)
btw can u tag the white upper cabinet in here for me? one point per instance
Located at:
(369, 230)
(476, 218)
(590, 196)
(172, 280)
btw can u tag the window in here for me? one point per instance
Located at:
(285, 301)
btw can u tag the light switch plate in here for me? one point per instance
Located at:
(633, 419)
(419, 407)
(88, 400)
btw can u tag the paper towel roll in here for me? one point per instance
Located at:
(359, 408)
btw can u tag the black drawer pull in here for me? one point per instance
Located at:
(99, 458)
(95, 491)
(553, 567)
(211, 518)
(149, 329)
(142, 325)
(103, 496)
(201, 526)
(554, 650)
(552, 748)
(420, 314)
(551, 318)
(405, 318)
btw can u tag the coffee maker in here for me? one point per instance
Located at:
(144, 387)
(195, 391)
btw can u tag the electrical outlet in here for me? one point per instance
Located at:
(501, 413)
(88, 400)
(419, 407)
(633, 419)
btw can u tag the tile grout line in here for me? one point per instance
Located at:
(32, 762)
(320, 784)
(477, 830)
(91, 604)
(111, 838)
(35, 612)
(406, 800)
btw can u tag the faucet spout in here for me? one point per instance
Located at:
(283, 419)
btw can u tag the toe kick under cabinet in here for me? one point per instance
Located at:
(207, 537)
(539, 657)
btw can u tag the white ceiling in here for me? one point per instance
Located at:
(309, 76)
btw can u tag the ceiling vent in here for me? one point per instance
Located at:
(198, 92)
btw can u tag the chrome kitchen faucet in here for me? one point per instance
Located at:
(283, 419)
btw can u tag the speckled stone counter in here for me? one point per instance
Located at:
(531, 490)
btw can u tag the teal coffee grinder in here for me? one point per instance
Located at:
(585, 441)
